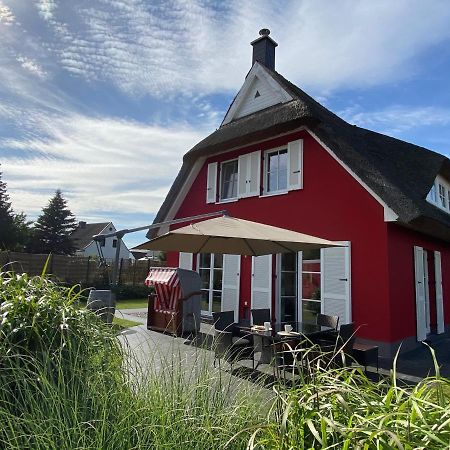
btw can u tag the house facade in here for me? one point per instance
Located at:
(86, 246)
(281, 158)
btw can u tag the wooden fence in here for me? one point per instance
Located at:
(77, 269)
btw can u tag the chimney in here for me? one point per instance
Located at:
(82, 224)
(264, 49)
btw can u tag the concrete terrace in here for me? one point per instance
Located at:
(411, 366)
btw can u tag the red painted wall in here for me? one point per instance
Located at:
(401, 242)
(332, 205)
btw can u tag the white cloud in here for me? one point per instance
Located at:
(397, 119)
(199, 47)
(32, 66)
(6, 15)
(102, 165)
(46, 8)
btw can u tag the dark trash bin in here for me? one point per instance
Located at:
(102, 303)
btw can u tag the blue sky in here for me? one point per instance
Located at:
(101, 98)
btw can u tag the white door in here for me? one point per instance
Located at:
(439, 294)
(230, 284)
(261, 282)
(420, 294)
(336, 282)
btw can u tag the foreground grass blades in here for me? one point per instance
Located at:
(341, 408)
(67, 383)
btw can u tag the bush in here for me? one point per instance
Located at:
(127, 292)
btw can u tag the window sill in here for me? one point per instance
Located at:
(439, 206)
(272, 194)
(227, 200)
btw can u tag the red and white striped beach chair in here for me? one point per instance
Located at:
(175, 305)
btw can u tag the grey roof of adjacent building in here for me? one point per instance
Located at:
(82, 235)
(401, 174)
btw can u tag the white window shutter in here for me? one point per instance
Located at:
(420, 294)
(261, 282)
(335, 282)
(249, 174)
(185, 260)
(439, 294)
(253, 186)
(243, 169)
(211, 183)
(427, 291)
(295, 150)
(230, 284)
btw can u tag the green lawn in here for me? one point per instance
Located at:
(132, 303)
(120, 324)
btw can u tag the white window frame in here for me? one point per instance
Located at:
(266, 192)
(300, 273)
(434, 196)
(230, 199)
(211, 283)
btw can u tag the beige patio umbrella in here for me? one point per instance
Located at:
(234, 236)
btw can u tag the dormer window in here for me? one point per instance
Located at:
(443, 201)
(431, 197)
(439, 194)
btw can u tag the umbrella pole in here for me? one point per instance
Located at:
(115, 267)
(121, 233)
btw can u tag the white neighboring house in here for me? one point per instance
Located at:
(85, 246)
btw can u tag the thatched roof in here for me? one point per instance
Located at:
(400, 173)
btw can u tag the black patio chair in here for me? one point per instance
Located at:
(227, 344)
(326, 337)
(260, 316)
(338, 353)
(327, 321)
(224, 321)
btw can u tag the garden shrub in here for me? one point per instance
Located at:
(45, 334)
(127, 292)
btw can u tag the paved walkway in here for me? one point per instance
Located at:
(419, 362)
(411, 366)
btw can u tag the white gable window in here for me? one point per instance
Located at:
(239, 178)
(439, 194)
(283, 168)
(229, 180)
(276, 170)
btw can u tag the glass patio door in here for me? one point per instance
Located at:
(309, 304)
(299, 292)
(210, 268)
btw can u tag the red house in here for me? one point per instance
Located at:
(281, 158)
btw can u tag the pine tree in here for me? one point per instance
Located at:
(23, 232)
(53, 228)
(7, 228)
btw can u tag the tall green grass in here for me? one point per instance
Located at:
(334, 407)
(67, 383)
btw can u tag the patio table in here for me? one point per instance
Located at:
(264, 340)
